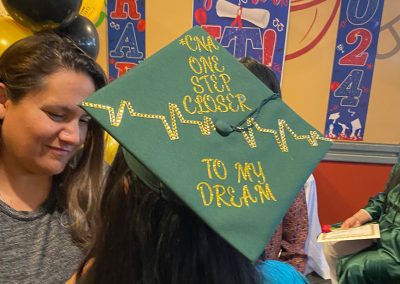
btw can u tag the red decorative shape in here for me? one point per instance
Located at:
(124, 67)
(334, 85)
(269, 43)
(214, 31)
(326, 229)
(141, 25)
(238, 19)
(358, 56)
(207, 4)
(200, 16)
(120, 12)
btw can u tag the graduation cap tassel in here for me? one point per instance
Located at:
(224, 129)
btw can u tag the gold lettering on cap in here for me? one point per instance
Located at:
(251, 180)
(198, 43)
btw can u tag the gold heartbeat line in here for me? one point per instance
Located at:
(207, 125)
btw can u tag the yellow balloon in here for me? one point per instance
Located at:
(91, 9)
(111, 148)
(11, 32)
(3, 11)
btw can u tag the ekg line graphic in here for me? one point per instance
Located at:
(207, 125)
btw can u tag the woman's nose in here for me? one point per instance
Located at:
(72, 133)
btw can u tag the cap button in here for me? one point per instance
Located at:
(223, 128)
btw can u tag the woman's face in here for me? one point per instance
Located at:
(41, 132)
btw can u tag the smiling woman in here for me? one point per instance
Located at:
(47, 191)
(45, 129)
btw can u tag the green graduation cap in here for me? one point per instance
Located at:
(193, 119)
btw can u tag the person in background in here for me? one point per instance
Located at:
(369, 261)
(288, 242)
(47, 191)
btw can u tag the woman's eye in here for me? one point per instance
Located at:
(55, 116)
(84, 120)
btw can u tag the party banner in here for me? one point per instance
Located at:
(353, 66)
(255, 28)
(126, 35)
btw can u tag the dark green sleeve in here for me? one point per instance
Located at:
(376, 204)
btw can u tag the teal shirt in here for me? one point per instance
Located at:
(277, 272)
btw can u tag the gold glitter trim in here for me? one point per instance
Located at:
(207, 125)
(280, 139)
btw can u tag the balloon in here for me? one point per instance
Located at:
(83, 32)
(201, 16)
(91, 9)
(11, 32)
(111, 148)
(3, 11)
(43, 14)
(334, 85)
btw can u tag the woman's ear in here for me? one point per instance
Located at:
(3, 100)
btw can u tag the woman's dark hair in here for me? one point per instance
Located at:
(143, 238)
(26, 63)
(24, 67)
(262, 72)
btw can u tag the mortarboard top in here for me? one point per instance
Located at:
(164, 112)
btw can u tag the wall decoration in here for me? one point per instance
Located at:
(254, 28)
(126, 35)
(356, 48)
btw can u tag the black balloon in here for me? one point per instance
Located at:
(43, 14)
(83, 32)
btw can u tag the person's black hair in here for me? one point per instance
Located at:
(263, 73)
(143, 238)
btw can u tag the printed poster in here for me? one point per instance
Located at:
(353, 67)
(253, 28)
(126, 35)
